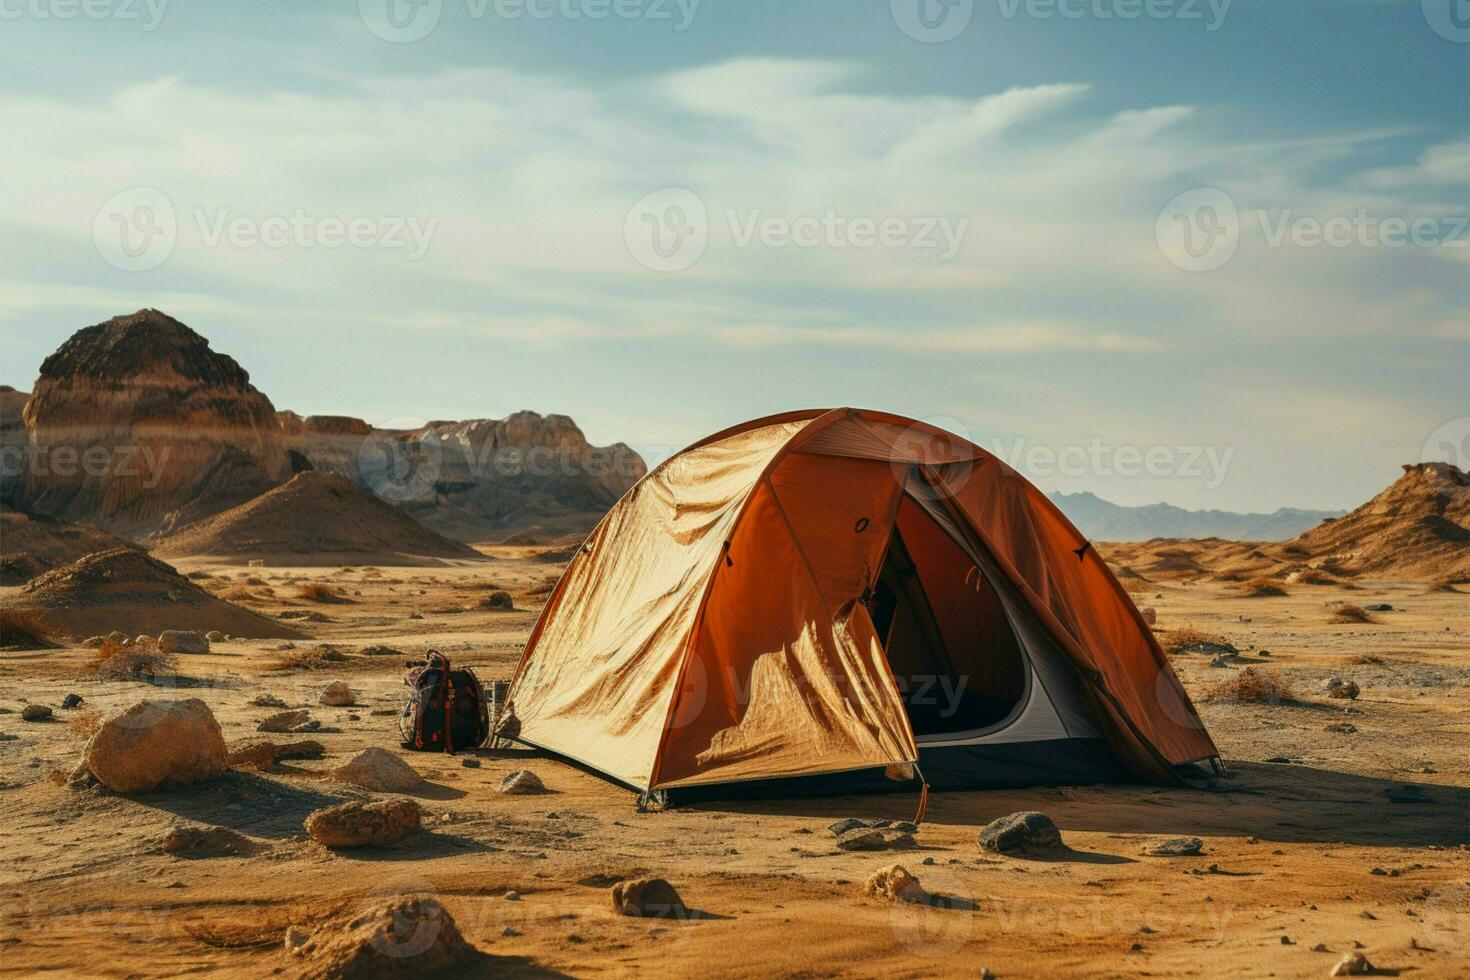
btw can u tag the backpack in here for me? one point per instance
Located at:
(446, 709)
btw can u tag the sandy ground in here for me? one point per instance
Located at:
(1291, 847)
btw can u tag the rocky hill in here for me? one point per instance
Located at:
(29, 546)
(137, 426)
(314, 519)
(1103, 520)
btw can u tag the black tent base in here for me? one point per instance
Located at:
(1003, 765)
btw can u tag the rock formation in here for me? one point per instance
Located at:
(136, 425)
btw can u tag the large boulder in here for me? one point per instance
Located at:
(648, 897)
(408, 936)
(358, 824)
(379, 769)
(156, 743)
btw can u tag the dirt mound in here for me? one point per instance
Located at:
(315, 519)
(31, 546)
(123, 589)
(1417, 528)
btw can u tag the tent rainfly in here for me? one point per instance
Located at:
(835, 600)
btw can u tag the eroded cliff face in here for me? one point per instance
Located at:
(137, 426)
(474, 480)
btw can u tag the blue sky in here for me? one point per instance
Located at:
(1054, 144)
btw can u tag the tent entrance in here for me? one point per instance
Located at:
(949, 642)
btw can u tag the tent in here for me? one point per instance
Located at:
(837, 599)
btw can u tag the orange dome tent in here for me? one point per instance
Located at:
(835, 594)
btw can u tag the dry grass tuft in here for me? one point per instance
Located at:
(1252, 686)
(1367, 659)
(135, 661)
(1314, 576)
(320, 592)
(308, 658)
(24, 629)
(1187, 637)
(1350, 614)
(1261, 587)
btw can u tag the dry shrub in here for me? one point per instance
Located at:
(320, 592)
(84, 723)
(135, 661)
(1367, 659)
(308, 658)
(1349, 614)
(1252, 686)
(1314, 576)
(24, 629)
(1261, 587)
(1187, 637)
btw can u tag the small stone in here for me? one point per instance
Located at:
(35, 712)
(874, 839)
(1174, 847)
(647, 897)
(1027, 832)
(1378, 607)
(338, 695)
(1263, 653)
(1222, 660)
(182, 641)
(1338, 687)
(895, 884)
(263, 753)
(1341, 727)
(927, 860)
(358, 824)
(296, 937)
(215, 636)
(1286, 941)
(1320, 948)
(469, 762)
(842, 826)
(512, 896)
(72, 701)
(521, 782)
(378, 769)
(497, 600)
(94, 642)
(267, 701)
(1352, 965)
(1150, 615)
(194, 841)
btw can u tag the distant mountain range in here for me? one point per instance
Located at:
(1102, 520)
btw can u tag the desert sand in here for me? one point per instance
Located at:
(1317, 843)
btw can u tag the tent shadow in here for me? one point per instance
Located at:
(1286, 803)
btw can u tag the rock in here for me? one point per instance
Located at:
(263, 753)
(7, 737)
(895, 884)
(1379, 607)
(469, 762)
(1174, 847)
(195, 841)
(72, 701)
(522, 781)
(358, 823)
(284, 721)
(379, 769)
(295, 938)
(406, 936)
(1222, 660)
(215, 636)
(647, 897)
(1341, 727)
(182, 641)
(845, 824)
(93, 642)
(874, 839)
(1027, 832)
(1338, 687)
(338, 695)
(380, 650)
(1263, 653)
(1352, 965)
(1150, 615)
(267, 701)
(156, 743)
(35, 712)
(497, 600)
